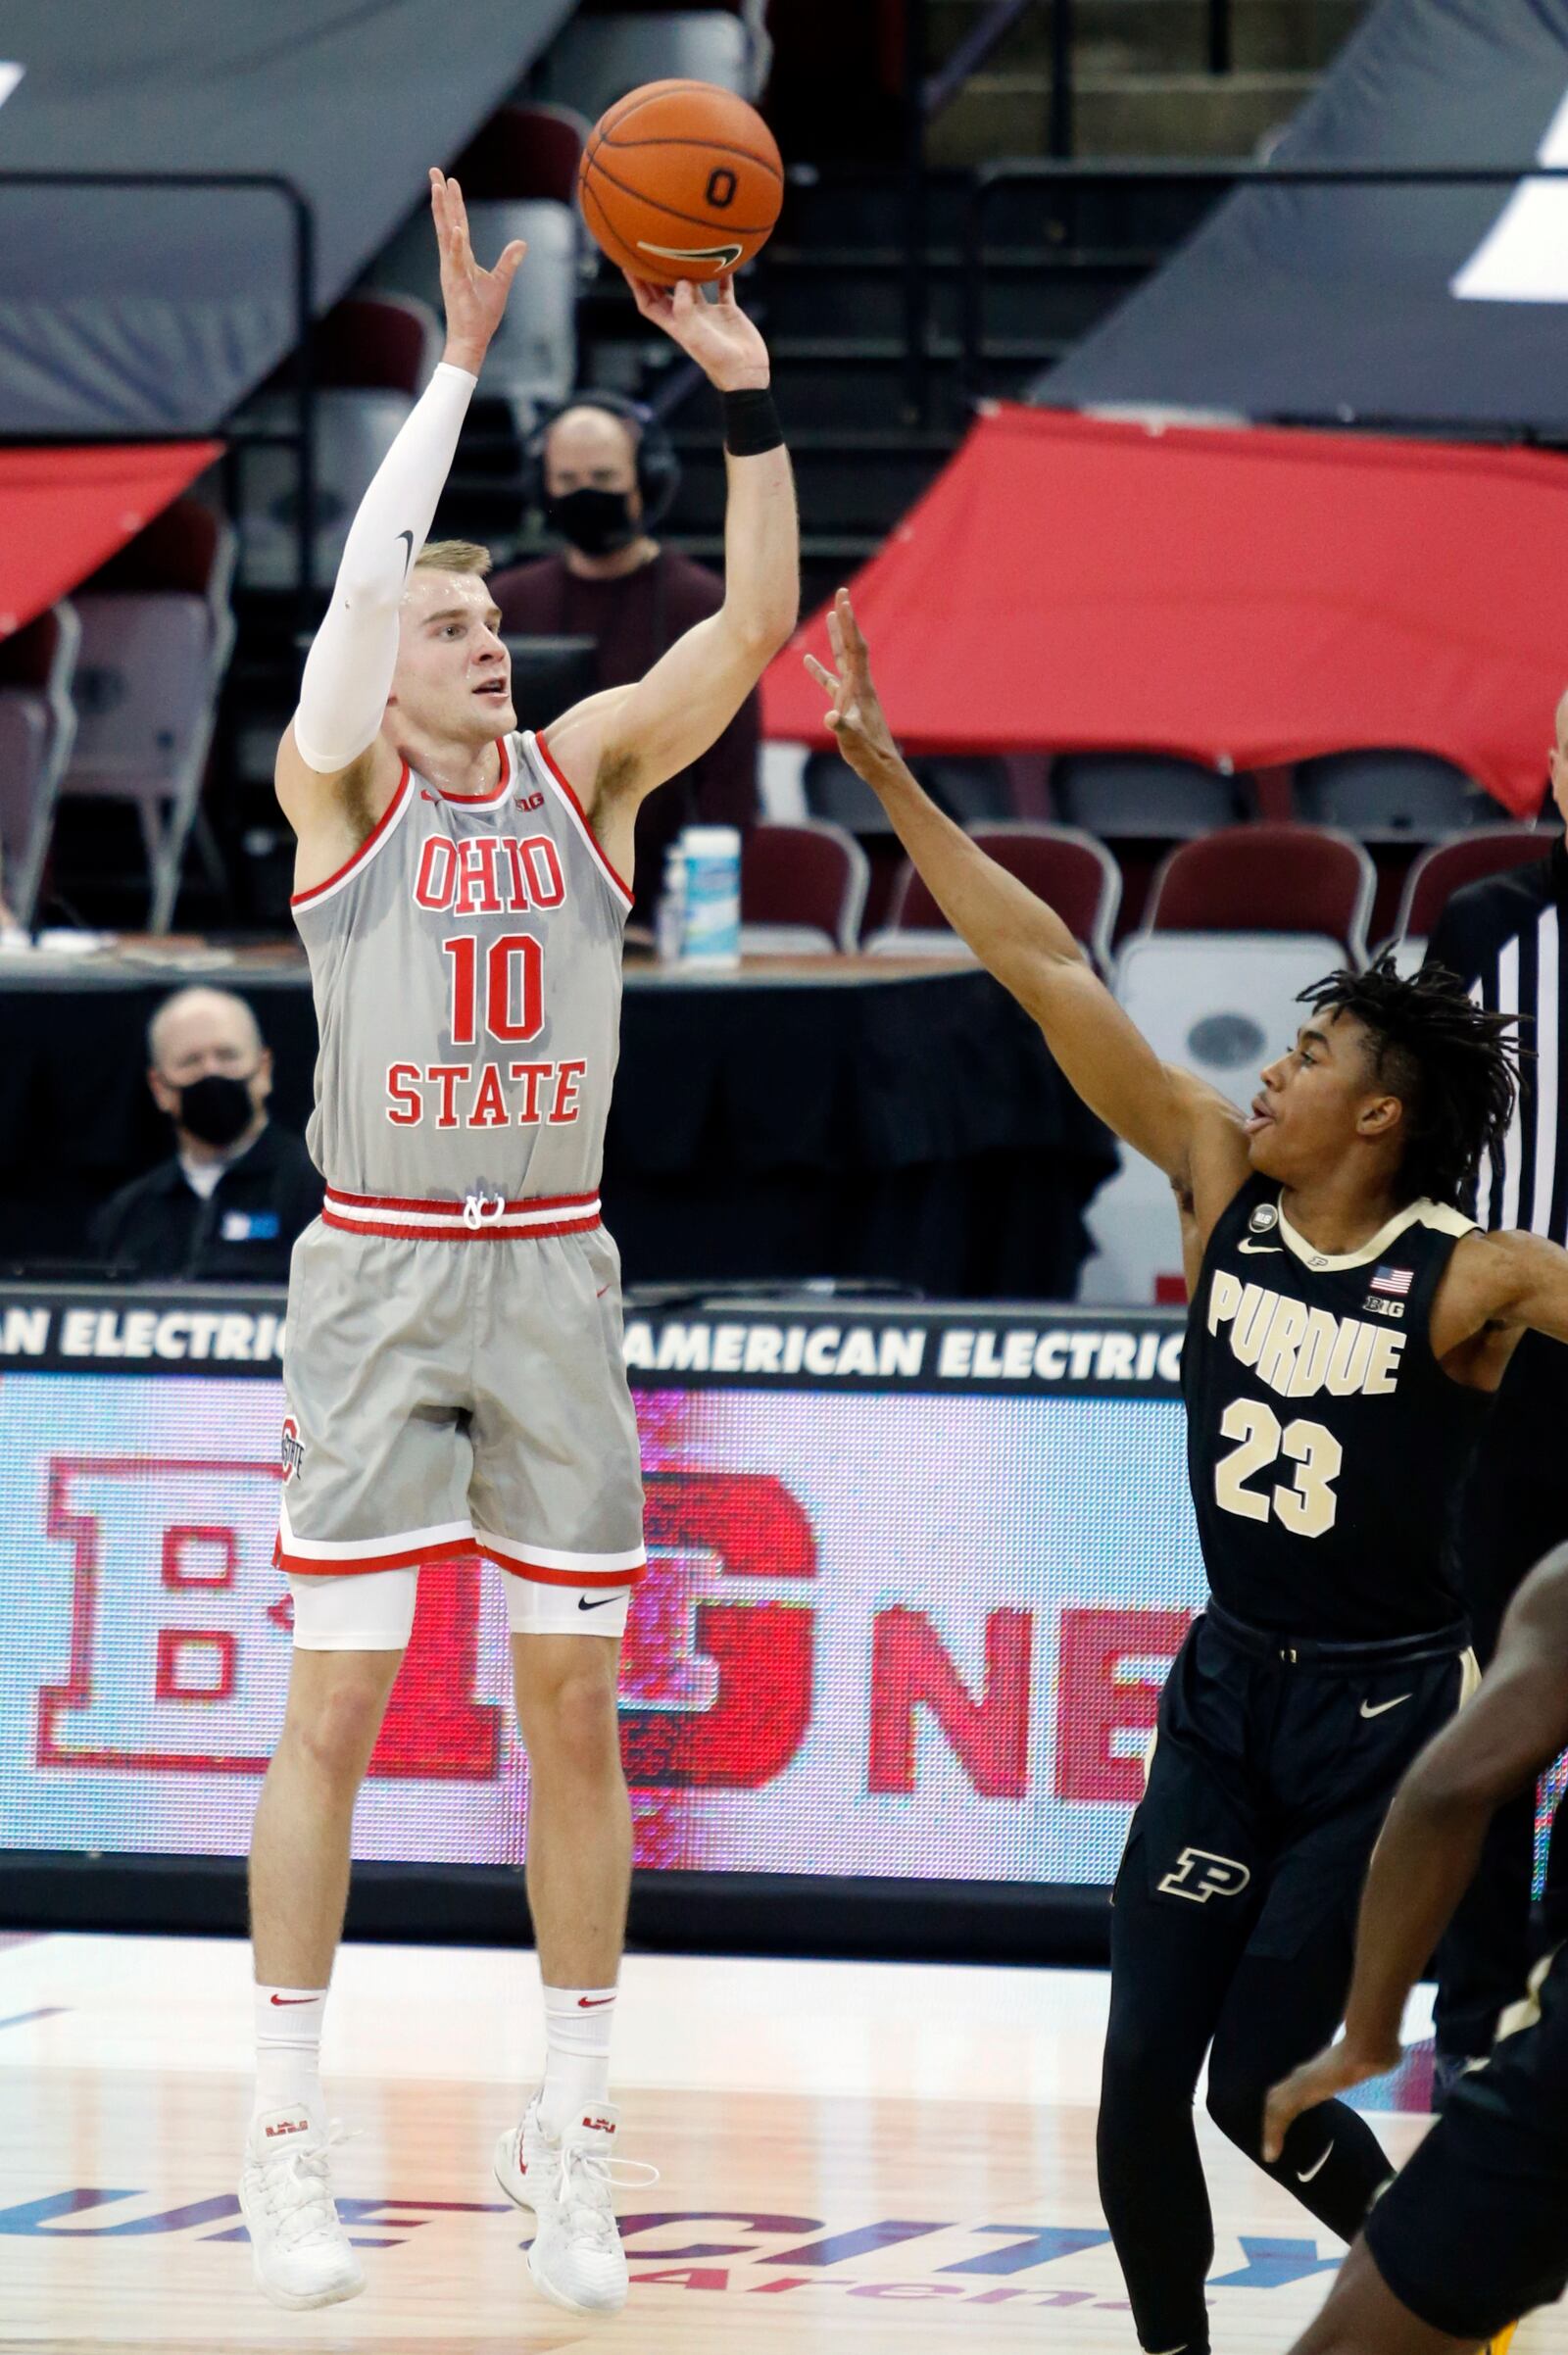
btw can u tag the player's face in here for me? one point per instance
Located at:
(1316, 1100)
(453, 679)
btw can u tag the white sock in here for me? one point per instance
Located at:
(576, 2054)
(288, 2048)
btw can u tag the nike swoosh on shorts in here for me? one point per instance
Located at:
(1383, 1707)
(583, 1603)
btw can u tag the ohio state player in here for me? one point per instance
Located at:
(454, 1370)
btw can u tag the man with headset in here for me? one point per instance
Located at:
(605, 474)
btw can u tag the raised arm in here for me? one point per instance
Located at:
(1428, 1851)
(326, 760)
(615, 749)
(1182, 1126)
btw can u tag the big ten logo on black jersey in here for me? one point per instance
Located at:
(496, 988)
(1296, 1352)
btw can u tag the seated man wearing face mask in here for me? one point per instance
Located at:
(227, 1208)
(605, 475)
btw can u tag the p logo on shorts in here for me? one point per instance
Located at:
(1200, 1874)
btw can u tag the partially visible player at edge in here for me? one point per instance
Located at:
(1475, 2229)
(454, 1376)
(1346, 1324)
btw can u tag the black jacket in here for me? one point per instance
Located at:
(158, 1227)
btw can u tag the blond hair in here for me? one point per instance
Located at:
(453, 555)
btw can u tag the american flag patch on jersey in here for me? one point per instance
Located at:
(1394, 1280)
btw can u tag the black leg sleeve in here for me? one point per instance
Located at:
(1277, 2015)
(1169, 1971)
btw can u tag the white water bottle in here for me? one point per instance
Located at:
(711, 930)
(669, 924)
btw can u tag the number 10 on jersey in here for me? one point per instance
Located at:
(506, 990)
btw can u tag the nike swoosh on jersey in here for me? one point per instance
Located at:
(1383, 1707)
(1261, 1246)
(1305, 2175)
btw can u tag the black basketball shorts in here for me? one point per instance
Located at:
(1474, 2232)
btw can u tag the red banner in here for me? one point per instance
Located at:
(1250, 596)
(64, 513)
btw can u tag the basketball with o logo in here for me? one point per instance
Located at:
(680, 179)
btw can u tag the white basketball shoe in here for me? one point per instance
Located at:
(297, 2246)
(576, 2259)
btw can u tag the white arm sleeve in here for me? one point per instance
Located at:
(348, 671)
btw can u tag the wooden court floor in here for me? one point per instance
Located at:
(854, 2157)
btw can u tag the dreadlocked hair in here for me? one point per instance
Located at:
(1453, 1067)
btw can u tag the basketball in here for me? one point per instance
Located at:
(680, 179)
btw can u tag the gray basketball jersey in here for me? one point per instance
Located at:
(465, 964)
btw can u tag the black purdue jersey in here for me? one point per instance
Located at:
(1326, 1446)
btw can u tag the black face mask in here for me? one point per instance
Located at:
(598, 522)
(217, 1109)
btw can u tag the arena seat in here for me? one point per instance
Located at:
(532, 361)
(1389, 796)
(374, 357)
(803, 890)
(1222, 1005)
(1070, 871)
(1266, 878)
(525, 155)
(37, 728)
(595, 60)
(157, 631)
(1146, 795)
(1450, 866)
(975, 791)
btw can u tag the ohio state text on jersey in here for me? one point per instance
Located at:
(465, 964)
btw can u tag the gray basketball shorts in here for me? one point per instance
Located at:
(456, 1395)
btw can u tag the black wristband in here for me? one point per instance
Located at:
(751, 423)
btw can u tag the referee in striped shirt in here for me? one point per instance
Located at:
(1508, 938)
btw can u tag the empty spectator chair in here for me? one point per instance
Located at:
(803, 890)
(157, 631)
(38, 729)
(1145, 796)
(373, 356)
(1070, 871)
(1448, 868)
(1389, 796)
(1266, 878)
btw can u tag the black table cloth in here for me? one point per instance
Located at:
(834, 1118)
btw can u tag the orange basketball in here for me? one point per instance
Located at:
(680, 179)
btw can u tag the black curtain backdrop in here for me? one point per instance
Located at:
(911, 1131)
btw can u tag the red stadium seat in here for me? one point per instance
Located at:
(1266, 878)
(1469, 859)
(802, 888)
(1070, 871)
(525, 154)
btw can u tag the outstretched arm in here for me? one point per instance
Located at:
(1167, 1114)
(1431, 1844)
(615, 749)
(348, 671)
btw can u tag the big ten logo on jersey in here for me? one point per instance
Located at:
(1298, 1352)
(495, 990)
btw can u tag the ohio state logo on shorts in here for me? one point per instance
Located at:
(292, 1449)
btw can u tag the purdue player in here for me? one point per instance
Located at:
(454, 1376)
(1348, 1323)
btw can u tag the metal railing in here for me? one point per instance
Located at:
(301, 435)
(934, 91)
(1065, 178)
